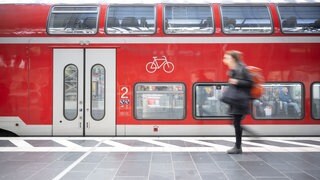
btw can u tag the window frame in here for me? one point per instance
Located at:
(246, 5)
(311, 101)
(194, 104)
(72, 34)
(131, 5)
(283, 84)
(161, 83)
(190, 5)
(290, 5)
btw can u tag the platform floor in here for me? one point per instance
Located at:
(158, 158)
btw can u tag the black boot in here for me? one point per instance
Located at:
(235, 150)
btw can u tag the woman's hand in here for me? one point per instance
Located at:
(233, 81)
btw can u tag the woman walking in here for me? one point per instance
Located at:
(241, 82)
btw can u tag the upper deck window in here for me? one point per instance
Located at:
(131, 20)
(300, 18)
(184, 19)
(73, 20)
(246, 20)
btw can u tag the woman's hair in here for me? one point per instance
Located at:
(236, 55)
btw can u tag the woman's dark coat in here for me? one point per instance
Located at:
(244, 84)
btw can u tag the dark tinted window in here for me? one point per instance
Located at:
(131, 20)
(246, 19)
(316, 101)
(98, 92)
(182, 19)
(300, 18)
(207, 101)
(160, 101)
(279, 101)
(73, 20)
(70, 106)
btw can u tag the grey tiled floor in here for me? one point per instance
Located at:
(99, 162)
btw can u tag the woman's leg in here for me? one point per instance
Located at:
(238, 129)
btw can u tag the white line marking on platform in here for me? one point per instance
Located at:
(115, 144)
(64, 172)
(296, 143)
(24, 146)
(20, 143)
(67, 143)
(155, 142)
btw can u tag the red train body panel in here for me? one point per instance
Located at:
(27, 71)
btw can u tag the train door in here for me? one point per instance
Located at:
(84, 92)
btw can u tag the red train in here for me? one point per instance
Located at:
(155, 68)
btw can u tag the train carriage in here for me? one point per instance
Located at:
(154, 68)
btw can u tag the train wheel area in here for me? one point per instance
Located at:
(158, 158)
(5, 133)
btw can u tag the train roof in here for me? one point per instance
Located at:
(52, 2)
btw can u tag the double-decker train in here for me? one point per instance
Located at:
(154, 68)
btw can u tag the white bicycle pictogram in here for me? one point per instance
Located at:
(167, 66)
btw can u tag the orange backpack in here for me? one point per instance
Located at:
(258, 79)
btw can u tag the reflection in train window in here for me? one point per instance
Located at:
(279, 101)
(160, 101)
(207, 99)
(131, 20)
(300, 18)
(97, 92)
(182, 19)
(316, 101)
(246, 19)
(70, 106)
(73, 20)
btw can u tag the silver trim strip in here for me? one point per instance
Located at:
(151, 1)
(157, 40)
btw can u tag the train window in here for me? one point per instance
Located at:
(300, 18)
(207, 101)
(131, 20)
(70, 106)
(97, 92)
(246, 19)
(73, 20)
(315, 100)
(186, 19)
(160, 101)
(279, 101)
